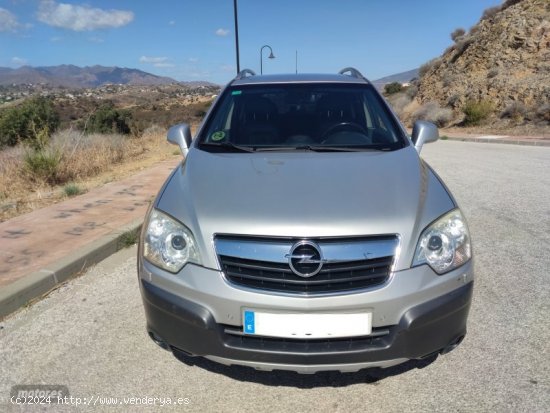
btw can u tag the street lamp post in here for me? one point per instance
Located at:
(271, 56)
(236, 34)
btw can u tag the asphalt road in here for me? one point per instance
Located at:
(89, 334)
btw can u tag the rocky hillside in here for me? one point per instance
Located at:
(503, 61)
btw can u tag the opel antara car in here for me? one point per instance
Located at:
(302, 231)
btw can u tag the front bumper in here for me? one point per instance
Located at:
(186, 326)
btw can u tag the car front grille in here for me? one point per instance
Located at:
(351, 275)
(336, 275)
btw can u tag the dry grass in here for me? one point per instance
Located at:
(432, 112)
(87, 161)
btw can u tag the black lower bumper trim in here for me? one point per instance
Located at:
(191, 328)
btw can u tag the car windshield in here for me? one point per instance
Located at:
(301, 116)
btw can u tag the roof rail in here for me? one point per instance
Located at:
(242, 74)
(353, 73)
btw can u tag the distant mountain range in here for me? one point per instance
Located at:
(82, 77)
(94, 76)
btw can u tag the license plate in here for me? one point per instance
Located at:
(306, 325)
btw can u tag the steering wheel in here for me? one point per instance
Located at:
(343, 125)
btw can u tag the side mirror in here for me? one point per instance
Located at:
(424, 132)
(180, 135)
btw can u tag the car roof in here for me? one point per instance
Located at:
(297, 78)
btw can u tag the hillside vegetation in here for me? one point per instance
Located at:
(56, 143)
(495, 74)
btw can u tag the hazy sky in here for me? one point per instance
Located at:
(192, 40)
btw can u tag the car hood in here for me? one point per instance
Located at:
(305, 195)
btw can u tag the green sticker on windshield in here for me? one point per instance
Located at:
(218, 136)
(236, 92)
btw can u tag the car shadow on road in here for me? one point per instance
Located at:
(304, 381)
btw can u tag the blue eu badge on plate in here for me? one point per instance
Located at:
(249, 327)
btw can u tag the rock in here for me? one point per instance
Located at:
(502, 59)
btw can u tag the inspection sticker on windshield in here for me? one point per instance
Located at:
(218, 136)
(236, 92)
(306, 325)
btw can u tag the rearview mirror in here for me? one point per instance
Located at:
(424, 132)
(180, 135)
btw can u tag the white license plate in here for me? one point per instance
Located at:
(304, 326)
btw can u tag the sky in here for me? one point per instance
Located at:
(195, 39)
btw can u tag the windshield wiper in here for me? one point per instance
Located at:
(228, 145)
(314, 148)
(321, 148)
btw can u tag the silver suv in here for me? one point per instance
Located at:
(303, 232)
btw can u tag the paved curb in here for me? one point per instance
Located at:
(36, 284)
(508, 141)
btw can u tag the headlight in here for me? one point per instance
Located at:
(168, 244)
(445, 244)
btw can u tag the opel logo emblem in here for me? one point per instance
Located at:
(305, 259)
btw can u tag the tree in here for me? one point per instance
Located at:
(394, 87)
(108, 119)
(31, 122)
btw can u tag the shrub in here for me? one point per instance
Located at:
(450, 49)
(432, 112)
(72, 190)
(508, 3)
(43, 165)
(128, 238)
(457, 34)
(411, 91)
(543, 112)
(394, 87)
(516, 111)
(490, 12)
(31, 122)
(153, 130)
(461, 47)
(108, 119)
(398, 102)
(477, 111)
(453, 100)
(428, 66)
(474, 29)
(200, 109)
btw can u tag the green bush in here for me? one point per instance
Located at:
(477, 112)
(72, 190)
(43, 165)
(394, 87)
(31, 122)
(108, 119)
(128, 238)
